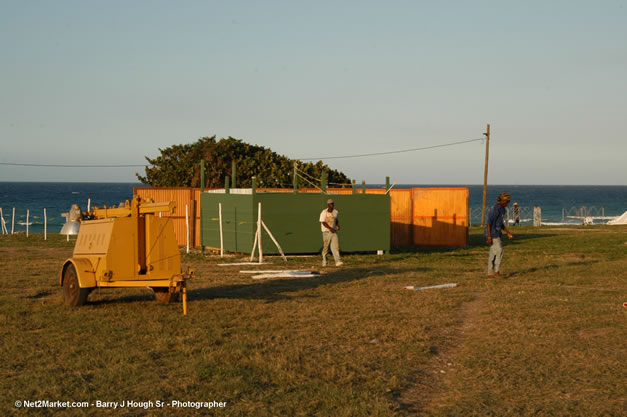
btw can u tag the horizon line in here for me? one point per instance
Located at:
(357, 185)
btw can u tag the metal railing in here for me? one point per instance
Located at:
(582, 212)
(526, 215)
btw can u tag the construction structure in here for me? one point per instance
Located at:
(229, 220)
(430, 216)
(434, 216)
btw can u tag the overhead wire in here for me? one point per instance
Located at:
(300, 159)
(393, 152)
(72, 166)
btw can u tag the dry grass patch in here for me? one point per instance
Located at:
(351, 342)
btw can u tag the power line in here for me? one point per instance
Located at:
(299, 159)
(393, 152)
(72, 166)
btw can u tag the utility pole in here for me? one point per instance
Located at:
(485, 174)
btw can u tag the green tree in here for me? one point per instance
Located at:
(179, 166)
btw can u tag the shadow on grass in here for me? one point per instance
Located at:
(274, 290)
(550, 267)
(519, 238)
(111, 299)
(475, 240)
(40, 294)
(271, 290)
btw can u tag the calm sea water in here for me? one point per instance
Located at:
(56, 198)
(556, 201)
(553, 199)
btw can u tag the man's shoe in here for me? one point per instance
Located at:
(340, 263)
(496, 275)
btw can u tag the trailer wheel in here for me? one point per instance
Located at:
(163, 295)
(73, 295)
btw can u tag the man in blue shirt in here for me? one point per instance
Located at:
(493, 228)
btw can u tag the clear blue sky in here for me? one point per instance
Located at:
(108, 82)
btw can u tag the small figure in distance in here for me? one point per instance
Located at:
(493, 231)
(516, 214)
(329, 223)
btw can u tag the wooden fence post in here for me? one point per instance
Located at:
(192, 226)
(233, 175)
(187, 226)
(221, 233)
(202, 175)
(485, 175)
(259, 233)
(2, 225)
(537, 216)
(412, 240)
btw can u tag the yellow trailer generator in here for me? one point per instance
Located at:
(127, 246)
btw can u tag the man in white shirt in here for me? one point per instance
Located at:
(330, 224)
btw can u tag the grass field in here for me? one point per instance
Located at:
(547, 341)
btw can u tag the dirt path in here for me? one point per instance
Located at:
(430, 389)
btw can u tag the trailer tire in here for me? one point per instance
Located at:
(73, 294)
(163, 295)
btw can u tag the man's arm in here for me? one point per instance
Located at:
(325, 224)
(489, 226)
(504, 228)
(323, 221)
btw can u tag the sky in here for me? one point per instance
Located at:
(108, 83)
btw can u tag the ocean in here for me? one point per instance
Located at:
(56, 198)
(558, 202)
(561, 204)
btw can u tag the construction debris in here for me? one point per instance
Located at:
(411, 287)
(279, 271)
(287, 274)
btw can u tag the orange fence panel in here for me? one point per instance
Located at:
(196, 198)
(440, 216)
(275, 190)
(401, 217)
(183, 197)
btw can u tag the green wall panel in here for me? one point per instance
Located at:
(293, 220)
(238, 227)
